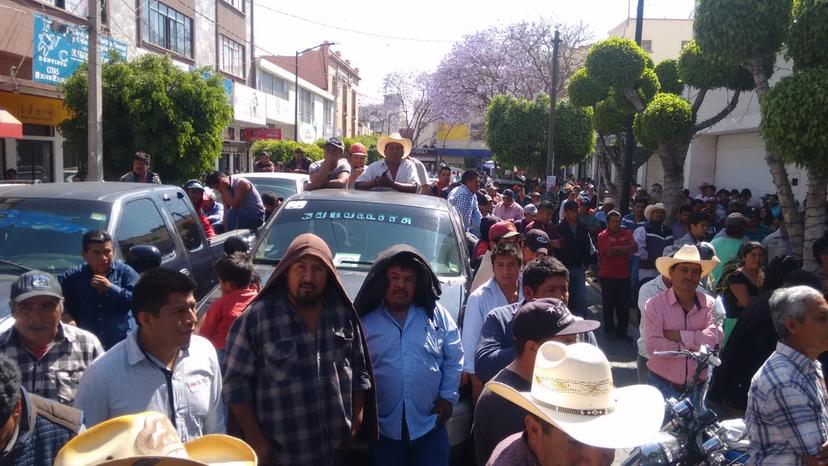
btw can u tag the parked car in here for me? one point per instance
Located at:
(282, 184)
(41, 227)
(357, 225)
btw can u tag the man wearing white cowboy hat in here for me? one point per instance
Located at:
(680, 318)
(395, 171)
(149, 438)
(576, 415)
(652, 238)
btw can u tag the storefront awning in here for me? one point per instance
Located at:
(10, 127)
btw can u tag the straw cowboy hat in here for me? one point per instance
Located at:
(150, 438)
(687, 253)
(572, 389)
(395, 137)
(653, 207)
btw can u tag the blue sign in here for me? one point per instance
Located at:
(59, 49)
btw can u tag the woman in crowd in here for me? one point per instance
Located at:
(747, 281)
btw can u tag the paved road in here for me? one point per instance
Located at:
(621, 353)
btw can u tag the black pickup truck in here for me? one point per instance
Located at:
(41, 228)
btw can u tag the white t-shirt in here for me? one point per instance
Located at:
(406, 173)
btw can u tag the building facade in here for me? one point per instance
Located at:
(47, 41)
(328, 71)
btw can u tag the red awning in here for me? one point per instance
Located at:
(10, 127)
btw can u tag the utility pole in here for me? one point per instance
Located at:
(553, 101)
(629, 148)
(94, 137)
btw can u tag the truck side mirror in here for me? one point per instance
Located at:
(143, 257)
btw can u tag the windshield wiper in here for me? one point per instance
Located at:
(15, 264)
(346, 261)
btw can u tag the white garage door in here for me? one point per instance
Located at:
(740, 163)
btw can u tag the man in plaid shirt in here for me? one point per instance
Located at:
(787, 413)
(51, 355)
(296, 370)
(464, 199)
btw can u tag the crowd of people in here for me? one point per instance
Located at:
(292, 371)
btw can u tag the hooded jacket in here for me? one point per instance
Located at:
(371, 294)
(304, 245)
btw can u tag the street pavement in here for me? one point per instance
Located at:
(621, 353)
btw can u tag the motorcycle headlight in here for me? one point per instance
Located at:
(663, 452)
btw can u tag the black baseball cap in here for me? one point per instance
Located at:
(35, 283)
(335, 142)
(537, 240)
(541, 319)
(142, 156)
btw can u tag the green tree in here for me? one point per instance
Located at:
(750, 33)
(149, 104)
(665, 122)
(517, 132)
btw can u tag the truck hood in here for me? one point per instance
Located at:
(454, 292)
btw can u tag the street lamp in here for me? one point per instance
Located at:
(296, 88)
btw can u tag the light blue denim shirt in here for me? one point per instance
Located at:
(413, 366)
(123, 381)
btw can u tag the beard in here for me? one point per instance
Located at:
(308, 297)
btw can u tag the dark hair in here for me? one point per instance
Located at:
(695, 201)
(613, 213)
(746, 193)
(9, 387)
(545, 426)
(801, 277)
(269, 198)
(685, 208)
(213, 178)
(236, 269)
(570, 205)
(235, 244)
(546, 205)
(486, 224)
(777, 272)
(11, 171)
(468, 175)
(444, 167)
(94, 237)
(820, 248)
(748, 247)
(641, 200)
(507, 250)
(152, 292)
(735, 229)
(298, 150)
(697, 218)
(539, 269)
(685, 191)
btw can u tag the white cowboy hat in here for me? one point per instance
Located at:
(150, 437)
(395, 137)
(650, 208)
(572, 389)
(687, 253)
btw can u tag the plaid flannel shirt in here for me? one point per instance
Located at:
(57, 373)
(300, 384)
(465, 202)
(787, 413)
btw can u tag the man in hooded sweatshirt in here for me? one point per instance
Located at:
(417, 358)
(296, 369)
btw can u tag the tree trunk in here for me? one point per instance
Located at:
(605, 168)
(814, 217)
(672, 162)
(787, 202)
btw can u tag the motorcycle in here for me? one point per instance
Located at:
(692, 433)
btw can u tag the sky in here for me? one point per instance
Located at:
(430, 27)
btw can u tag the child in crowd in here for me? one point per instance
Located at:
(239, 285)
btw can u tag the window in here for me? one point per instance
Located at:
(34, 160)
(237, 4)
(273, 85)
(305, 106)
(167, 28)
(232, 57)
(185, 222)
(141, 223)
(647, 45)
(327, 112)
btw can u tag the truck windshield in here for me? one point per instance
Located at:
(357, 231)
(46, 235)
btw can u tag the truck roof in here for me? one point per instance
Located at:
(87, 191)
(380, 197)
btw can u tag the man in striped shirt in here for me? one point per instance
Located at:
(787, 413)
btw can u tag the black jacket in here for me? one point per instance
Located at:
(576, 250)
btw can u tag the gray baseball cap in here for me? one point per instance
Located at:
(35, 283)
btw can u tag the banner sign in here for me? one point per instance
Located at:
(260, 134)
(59, 48)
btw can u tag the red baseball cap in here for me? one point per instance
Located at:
(503, 230)
(358, 148)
